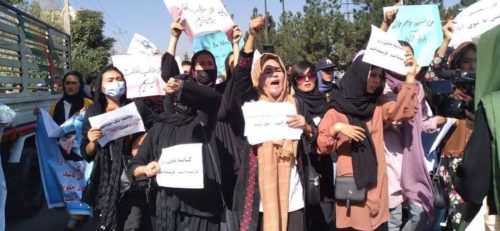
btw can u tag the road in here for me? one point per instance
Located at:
(45, 220)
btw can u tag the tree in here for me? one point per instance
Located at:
(90, 50)
(14, 2)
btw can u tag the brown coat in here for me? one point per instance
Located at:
(376, 209)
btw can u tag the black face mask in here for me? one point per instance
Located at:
(206, 77)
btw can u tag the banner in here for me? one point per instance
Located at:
(118, 123)
(142, 73)
(218, 44)
(419, 25)
(475, 20)
(266, 121)
(384, 51)
(63, 177)
(200, 16)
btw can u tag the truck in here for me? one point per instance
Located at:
(33, 59)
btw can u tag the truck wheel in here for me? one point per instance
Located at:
(25, 195)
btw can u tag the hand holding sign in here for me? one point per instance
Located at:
(448, 29)
(94, 134)
(152, 169)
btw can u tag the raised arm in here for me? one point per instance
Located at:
(389, 18)
(447, 34)
(176, 31)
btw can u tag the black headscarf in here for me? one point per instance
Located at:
(175, 112)
(193, 64)
(76, 101)
(351, 99)
(314, 101)
(109, 164)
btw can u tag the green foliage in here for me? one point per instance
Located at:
(322, 30)
(13, 2)
(90, 50)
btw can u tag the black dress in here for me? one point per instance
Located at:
(114, 210)
(186, 209)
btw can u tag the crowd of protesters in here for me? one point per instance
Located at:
(360, 163)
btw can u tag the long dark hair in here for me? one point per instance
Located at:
(99, 96)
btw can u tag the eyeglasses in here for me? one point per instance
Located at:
(302, 78)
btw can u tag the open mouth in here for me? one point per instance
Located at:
(275, 83)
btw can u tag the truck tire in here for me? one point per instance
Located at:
(25, 195)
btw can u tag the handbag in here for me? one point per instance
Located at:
(312, 185)
(346, 191)
(441, 199)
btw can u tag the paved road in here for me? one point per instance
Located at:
(45, 220)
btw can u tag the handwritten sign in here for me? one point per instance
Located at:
(266, 121)
(419, 25)
(200, 16)
(140, 45)
(121, 122)
(475, 20)
(384, 51)
(181, 166)
(218, 45)
(142, 73)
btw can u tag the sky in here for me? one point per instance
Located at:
(151, 19)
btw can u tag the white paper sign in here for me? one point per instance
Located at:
(384, 51)
(118, 123)
(181, 166)
(475, 20)
(142, 73)
(266, 121)
(200, 16)
(140, 45)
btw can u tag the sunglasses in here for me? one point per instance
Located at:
(302, 78)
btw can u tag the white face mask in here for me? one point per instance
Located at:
(114, 89)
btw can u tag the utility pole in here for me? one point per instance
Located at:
(67, 17)
(266, 37)
(283, 6)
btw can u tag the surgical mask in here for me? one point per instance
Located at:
(206, 77)
(114, 89)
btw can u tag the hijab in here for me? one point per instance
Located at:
(203, 81)
(314, 100)
(352, 100)
(76, 101)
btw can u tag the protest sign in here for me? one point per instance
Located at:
(118, 123)
(142, 73)
(475, 20)
(384, 51)
(200, 16)
(140, 45)
(266, 121)
(218, 44)
(181, 166)
(63, 178)
(419, 25)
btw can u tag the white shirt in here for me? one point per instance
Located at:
(295, 194)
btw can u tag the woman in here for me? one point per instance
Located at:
(177, 208)
(311, 103)
(73, 102)
(463, 58)
(273, 198)
(115, 208)
(408, 177)
(353, 127)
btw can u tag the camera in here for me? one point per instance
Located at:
(442, 88)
